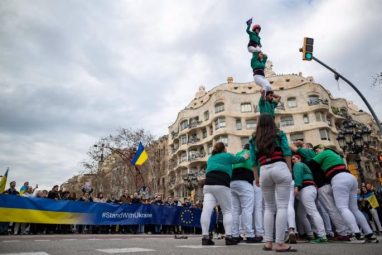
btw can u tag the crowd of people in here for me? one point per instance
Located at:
(273, 187)
(87, 196)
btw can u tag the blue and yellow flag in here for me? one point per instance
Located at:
(140, 156)
(3, 181)
(372, 200)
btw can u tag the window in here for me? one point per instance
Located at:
(286, 121)
(297, 136)
(329, 120)
(204, 133)
(184, 124)
(246, 107)
(219, 107)
(306, 118)
(313, 99)
(320, 116)
(251, 124)
(292, 102)
(244, 141)
(209, 149)
(238, 124)
(223, 139)
(324, 134)
(183, 157)
(219, 123)
(206, 115)
(183, 139)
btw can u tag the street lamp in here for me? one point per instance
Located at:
(191, 180)
(353, 138)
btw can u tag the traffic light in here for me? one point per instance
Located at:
(307, 49)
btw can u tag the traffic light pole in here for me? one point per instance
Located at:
(356, 90)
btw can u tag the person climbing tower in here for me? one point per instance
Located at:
(258, 62)
(254, 44)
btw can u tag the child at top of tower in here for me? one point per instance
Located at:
(254, 44)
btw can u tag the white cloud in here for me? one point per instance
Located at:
(72, 72)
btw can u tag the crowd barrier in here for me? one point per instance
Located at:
(42, 210)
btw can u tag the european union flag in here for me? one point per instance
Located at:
(140, 156)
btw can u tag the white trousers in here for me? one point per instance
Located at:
(308, 197)
(326, 218)
(291, 211)
(374, 214)
(275, 180)
(253, 49)
(303, 223)
(262, 82)
(325, 196)
(242, 207)
(258, 212)
(216, 194)
(345, 196)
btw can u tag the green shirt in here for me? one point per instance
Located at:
(257, 63)
(253, 36)
(282, 142)
(307, 154)
(301, 173)
(328, 159)
(246, 164)
(222, 162)
(266, 107)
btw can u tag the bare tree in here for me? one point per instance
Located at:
(123, 144)
(377, 80)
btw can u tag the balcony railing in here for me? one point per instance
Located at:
(281, 106)
(197, 155)
(317, 101)
(193, 140)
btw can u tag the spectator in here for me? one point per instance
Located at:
(12, 189)
(53, 194)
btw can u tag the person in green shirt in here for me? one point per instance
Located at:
(270, 150)
(326, 202)
(345, 187)
(216, 191)
(258, 63)
(306, 192)
(268, 103)
(243, 195)
(254, 44)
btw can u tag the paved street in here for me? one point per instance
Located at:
(160, 244)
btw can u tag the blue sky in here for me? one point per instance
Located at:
(74, 71)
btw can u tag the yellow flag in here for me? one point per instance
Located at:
(3, 181)
(373, 201)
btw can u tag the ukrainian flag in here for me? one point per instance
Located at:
(140, 156)
(3, 181)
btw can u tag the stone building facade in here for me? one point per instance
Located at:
(229, 113)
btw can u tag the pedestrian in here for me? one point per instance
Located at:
(216, 190)
(271, 154)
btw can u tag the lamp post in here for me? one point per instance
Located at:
(191, 180)
(353, 138)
